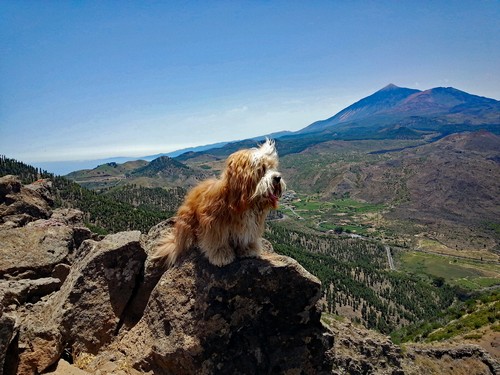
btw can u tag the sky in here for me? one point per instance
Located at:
(82, 80)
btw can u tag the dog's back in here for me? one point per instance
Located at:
(184, 234)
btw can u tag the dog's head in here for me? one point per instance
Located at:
(251, 178)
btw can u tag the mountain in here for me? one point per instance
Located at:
(443, 100)
(392, 104)
(390, 113)
(379, 102)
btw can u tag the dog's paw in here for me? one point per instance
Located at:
(221, 257)
(252, 250)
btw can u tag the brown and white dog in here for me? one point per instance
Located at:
(225, 217)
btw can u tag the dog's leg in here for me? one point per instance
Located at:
(249, 241)
(221, 256)
(252, 249)
(216, 247)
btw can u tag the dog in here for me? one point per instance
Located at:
(225, 217)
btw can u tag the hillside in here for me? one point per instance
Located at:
(160, 172)
(122, 208)
(447, 189)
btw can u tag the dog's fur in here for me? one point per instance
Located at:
(225, 217)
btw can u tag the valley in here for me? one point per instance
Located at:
(393, 204)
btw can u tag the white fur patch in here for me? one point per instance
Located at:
(267, 149)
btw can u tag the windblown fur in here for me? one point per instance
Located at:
(225, 217)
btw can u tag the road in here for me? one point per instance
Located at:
(389, 257)
(290, 207)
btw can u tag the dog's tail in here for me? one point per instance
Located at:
(173, 244)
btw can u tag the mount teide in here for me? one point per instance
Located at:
(391, 104)
(392, 113)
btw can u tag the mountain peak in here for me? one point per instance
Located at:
(390, 86)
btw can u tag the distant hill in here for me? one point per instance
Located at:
(161, 172)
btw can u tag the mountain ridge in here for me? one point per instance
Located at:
(386, 97)
(403, 102)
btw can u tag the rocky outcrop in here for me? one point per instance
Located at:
(254, 316)
(75, 303)
(21, 204)
(461, 360)
(101, 303)
(359, 351)
(86, 313)
(34, 250)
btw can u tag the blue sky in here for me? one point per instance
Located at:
(93, 79)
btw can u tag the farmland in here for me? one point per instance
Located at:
(468, 274)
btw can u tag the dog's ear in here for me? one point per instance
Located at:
(266, 151)
(239, 180)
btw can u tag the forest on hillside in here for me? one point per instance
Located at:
(357, 281)
(103, 214)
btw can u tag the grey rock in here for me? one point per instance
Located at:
(254, 316)
(17, 292)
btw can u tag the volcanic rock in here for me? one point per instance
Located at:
(254, 316)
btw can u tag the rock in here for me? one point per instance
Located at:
(44, 189)
(61, 272)
(8, 345)
(94, 296)
(34, 249)
(40, 345)
(65, 368)
(9, 185)
(17, 292)
(360, 351)
(86, 313)
(253, 316)
(68, 216)
(19, 205)
(466, 359)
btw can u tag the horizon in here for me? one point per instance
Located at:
(93, 80)
(64, 167)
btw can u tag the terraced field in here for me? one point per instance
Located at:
(468, 274)
(345, 214)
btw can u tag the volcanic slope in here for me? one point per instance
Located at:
(442, 108)
(448, 187)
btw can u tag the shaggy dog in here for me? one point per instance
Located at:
(225, 217)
